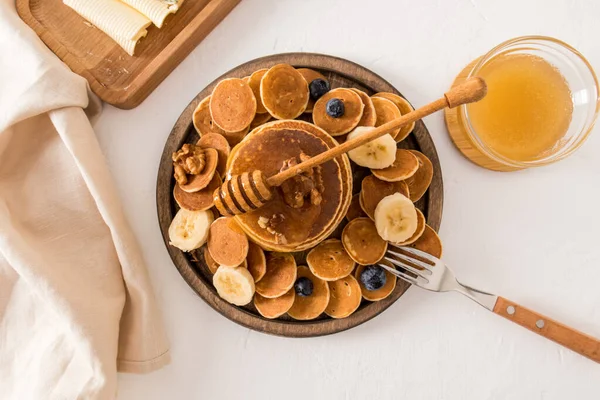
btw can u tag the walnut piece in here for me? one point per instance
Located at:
(271, 224)
(263, 222)
(180, 175)
(190, 158)
(308, 184)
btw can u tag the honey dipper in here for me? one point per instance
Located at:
(251, 190)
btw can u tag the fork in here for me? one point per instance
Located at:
(430, 273)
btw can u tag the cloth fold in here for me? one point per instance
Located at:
(76, 302)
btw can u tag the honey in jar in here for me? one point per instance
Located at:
(527, 110)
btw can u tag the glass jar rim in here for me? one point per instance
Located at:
(482, 147)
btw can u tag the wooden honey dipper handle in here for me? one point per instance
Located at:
(471, 90)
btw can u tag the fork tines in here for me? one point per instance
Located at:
(414, 263)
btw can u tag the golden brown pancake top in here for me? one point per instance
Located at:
(257, 262)
(232, 105)
(310, 307)
(202, 120)
(344, 298)
(353, 111)
(362, 242)
(280, 275)
(429, 242)
(369, 117)
(227, 243)
(254, 82)
(329, 260)
(219, 143)
(404, 107)
(284, 92)
(405, 165)
(419, 182)
(386, 111)
(198, 201)
(275, 307)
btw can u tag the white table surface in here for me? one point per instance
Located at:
(531, 236)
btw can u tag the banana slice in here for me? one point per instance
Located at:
(235, 285)
(377, 154)
(189, 229)
(396, 218)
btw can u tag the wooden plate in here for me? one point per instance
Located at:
(115, 76)
(340, 72)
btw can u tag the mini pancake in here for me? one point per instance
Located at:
(220, 144)
(227, 243)
(373, 190)
(429, 242)
(210, 263)
(362, 242)
(260, 119)
(310, 307)
(200, 200)
(369, 117)
(355, 210)
(198, 182)
(420, 181)
(310, 75)
(280, 275)
(254, 82)
(382, 292)
(420, 229)
(404, 107)
(405, 166)
(330, 261)
(275, 307)
(204, 124)
(386, 111)
(202, 120)
(246, 79)
(257, 262)
(353, 111)
(232, 105)
(284, 92)
(344, 298)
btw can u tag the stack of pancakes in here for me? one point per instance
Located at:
(265, 149)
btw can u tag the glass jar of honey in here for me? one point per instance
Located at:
(542, 102)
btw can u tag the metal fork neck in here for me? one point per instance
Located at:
(485, 299)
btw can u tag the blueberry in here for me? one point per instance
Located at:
(318, 88)
(335, 108)
(373, 277)
(303, 287)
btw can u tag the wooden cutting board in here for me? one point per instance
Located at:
(340, 73)
(116, 77)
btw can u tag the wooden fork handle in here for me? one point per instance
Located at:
(570, 338)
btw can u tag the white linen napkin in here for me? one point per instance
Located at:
(76, 303)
